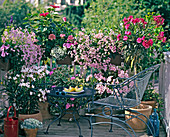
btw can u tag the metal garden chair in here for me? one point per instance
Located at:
(126, 95)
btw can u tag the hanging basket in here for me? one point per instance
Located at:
(66, 61)
(116, 59)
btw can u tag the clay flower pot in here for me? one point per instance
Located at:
(136, 123)
(37, 116)
(151, 103)
(31, 132)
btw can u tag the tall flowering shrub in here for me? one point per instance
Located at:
(142, 39)
(21, 88)
(52, 32)
(19, 46)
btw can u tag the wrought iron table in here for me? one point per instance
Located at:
(58, 98)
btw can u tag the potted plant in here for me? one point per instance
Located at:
(31, 126)
(151, 97)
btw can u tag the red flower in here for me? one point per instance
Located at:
(118, 37)
(51, 37)
(64, 19)
(127, 26)
(44, 14)
(125, 38)
(55, 6)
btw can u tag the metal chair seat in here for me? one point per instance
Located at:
(113, 102)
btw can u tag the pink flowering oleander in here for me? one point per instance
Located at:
(140, 37)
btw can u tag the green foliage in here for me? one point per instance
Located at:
(150, 95)
(50, 24)
(74, 14)
(107, 14)
(161, 6)
(18, 9)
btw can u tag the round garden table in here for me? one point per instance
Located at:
(59, 99)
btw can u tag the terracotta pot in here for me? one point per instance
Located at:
(37, 116)
(100, 119)
(43, 107)
(136, 123)
(151, 103)
(31, 132)
(66, 61)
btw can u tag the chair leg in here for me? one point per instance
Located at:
(111, 126)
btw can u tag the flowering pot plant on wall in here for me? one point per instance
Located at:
(52, 31)
(142, 41)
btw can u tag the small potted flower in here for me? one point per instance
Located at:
(31, 126)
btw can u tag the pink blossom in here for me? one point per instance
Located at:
(164, 40)
(54, 6)
(143, 38)
(51, 37)
(127, 26)
(128, 32)
(44, 14)
(118, 37)
(99, 36)
(68, 105)
(51, 72)
(159, 20)
(125, 21)
(70, 37)
(67, 45)
(72, 78)
(136, 21)
(125, 38)
(64, 19)
(72, 99)
(62, 35)
(53, 86)
(139, 40)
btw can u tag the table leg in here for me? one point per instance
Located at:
(60, 119)
(46, 132)
(77, 124)
(84, 118)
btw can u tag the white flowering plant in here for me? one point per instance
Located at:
(31, 123)
(22, 88)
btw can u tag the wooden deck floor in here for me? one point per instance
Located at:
(70, 129)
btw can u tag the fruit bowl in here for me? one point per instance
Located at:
(73, 90)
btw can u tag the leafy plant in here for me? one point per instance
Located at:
(51, 30)
(106, 14)
(31, 123)
(14, 13)
(21, 88)
(142, 40)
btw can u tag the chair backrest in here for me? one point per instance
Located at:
(129, 93)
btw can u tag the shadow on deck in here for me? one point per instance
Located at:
(70, 129)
